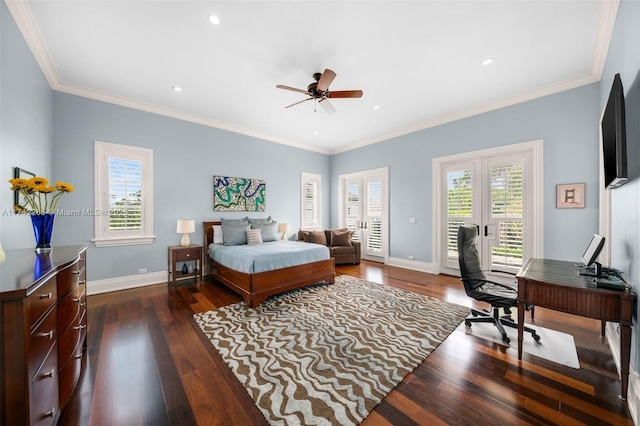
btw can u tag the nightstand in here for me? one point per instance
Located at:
(177, 254)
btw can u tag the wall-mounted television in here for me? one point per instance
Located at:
(614, 137)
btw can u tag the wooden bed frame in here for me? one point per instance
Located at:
(255, 288)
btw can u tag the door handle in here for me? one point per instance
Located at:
(486, 231)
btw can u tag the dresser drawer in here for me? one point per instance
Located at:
(68, 277)
(68, 341)
(40, 300)
(68, 308)
(187, 254)
(44, 407)
(41, 340)
(70, 373)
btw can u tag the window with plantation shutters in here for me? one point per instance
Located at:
(374, 213)
(459, 207)
(507, 214)
(310, 197)
(124, 195)
(352, 216)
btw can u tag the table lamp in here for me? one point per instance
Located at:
(185, 227)
(285, 228)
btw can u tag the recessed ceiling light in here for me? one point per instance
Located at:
(214, 19)
(487, 61)
(177, 88)
(315, 132)
(376, 107)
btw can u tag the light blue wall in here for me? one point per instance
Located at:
(568, 124)
(624, 58)
(25, 125)
(185, 158)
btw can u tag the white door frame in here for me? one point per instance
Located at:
(384, 172)
(535, 147)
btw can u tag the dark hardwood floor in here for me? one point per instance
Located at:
(148, 363)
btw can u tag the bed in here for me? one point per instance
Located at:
(257, 286)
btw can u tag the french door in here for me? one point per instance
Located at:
(497, 192)
(363, 210)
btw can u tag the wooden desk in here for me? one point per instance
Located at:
(557, 285)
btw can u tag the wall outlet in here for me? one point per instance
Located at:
(142, 271)
(412, 258)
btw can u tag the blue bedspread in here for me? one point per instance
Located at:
(267, 256)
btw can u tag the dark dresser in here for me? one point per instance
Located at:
(43, 328)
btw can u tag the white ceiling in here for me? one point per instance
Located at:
(420, 61)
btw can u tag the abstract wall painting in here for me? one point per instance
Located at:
(232, 194)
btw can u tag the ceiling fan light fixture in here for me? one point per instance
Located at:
(487, 61)
(214, 19)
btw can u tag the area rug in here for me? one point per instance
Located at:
(553, 345)
(328, 354)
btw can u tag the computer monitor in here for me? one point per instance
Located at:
(593, 250)
(591, 254)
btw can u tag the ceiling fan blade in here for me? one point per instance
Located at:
(325, 80)
(293, 89)
(299, 102)
(328, 107)
(345, 94)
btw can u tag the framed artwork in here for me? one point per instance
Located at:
(18, 199)
(232, 194)
(570, 196)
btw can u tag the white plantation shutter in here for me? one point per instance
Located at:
(353, 208)
(459, 207)
(310, 200)
(374, 213)
(507, 213)
(125, 194)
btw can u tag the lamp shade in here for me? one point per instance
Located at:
(284, 228)
(186, 226)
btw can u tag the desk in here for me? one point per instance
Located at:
(557, 285)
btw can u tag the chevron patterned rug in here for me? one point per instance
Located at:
(328, 354)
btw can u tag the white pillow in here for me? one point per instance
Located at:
(254, 236)
(217, 235)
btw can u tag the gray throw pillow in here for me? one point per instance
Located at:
(269, 230)
(235, 235)
(242, 221)
(260, 221)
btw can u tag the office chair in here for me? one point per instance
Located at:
(479, 288)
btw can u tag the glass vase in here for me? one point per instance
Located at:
(42, 230)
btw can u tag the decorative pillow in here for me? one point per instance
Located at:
(254, 236)
(340, 238)
(318, 238)
(327, 233)
(242, 221)
(217, 234)
(235, 235)
(303, 236)
(260, 221)
(269, 230)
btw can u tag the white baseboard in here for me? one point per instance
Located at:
(124, 283)
(633, 393)
(409, 264)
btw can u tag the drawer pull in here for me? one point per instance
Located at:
(76, 299)
(49, 374)
(76, 272)
(81, 282)
(79, 356)
(50, 413)
(79, 327)
(48, 334)
(82, 304)
(46, 296)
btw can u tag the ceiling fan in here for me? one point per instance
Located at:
(319, 91)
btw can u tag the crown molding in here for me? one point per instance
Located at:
(21, 13)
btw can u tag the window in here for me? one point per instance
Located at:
(310, 204)
(124, 195)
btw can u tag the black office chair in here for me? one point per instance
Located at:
(479, 288)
